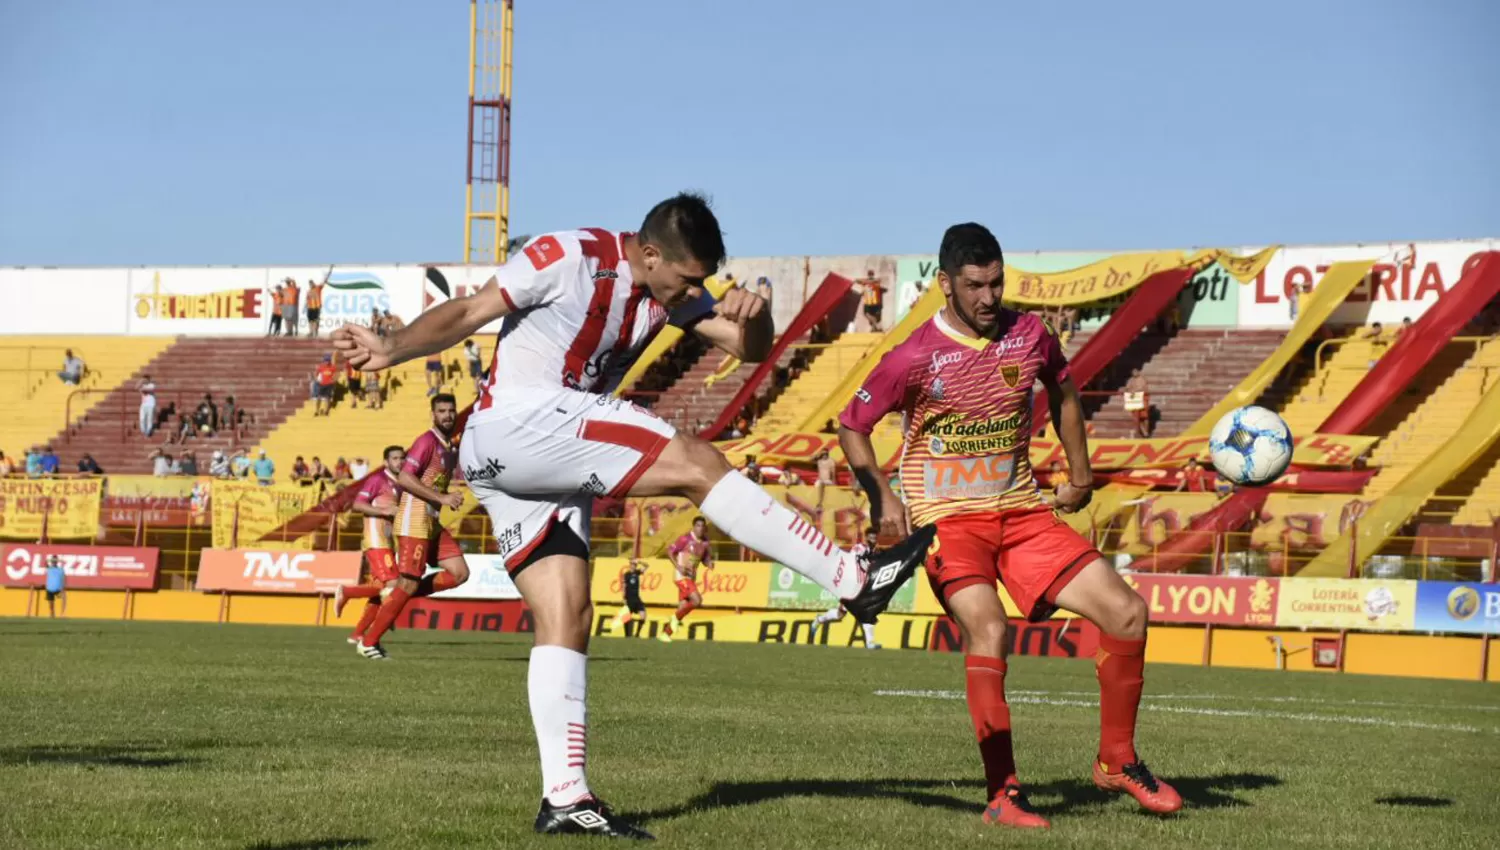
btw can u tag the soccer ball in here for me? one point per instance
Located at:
(1251, 445)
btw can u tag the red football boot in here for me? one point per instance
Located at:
(1136, 780)
(1011, 808)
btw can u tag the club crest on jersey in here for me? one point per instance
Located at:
(1010, 373)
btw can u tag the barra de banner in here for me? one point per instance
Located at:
(245, 512)
(273, 571)
(86, 567)
(67, 507)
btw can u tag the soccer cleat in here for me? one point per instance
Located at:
(1011, 808)
(339, 601)
(886, 570)
(874, 646)
(356, 640)
(374, 653)
(589, 816)
(1136, 780)
(665, 635)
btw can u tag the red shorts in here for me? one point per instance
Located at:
(685, 589)
(382, 565)
(1032, 552)
(415, 554)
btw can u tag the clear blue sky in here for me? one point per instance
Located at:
(177, 132)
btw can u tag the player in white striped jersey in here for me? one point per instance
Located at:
(837, 612)
(545, 438)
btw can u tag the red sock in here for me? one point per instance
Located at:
(1121, 665)
(991, 715)
(436, 583)
(372, 607)
(685, 608)
(390, 609)
(362, 591)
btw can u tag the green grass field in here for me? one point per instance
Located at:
(156, 735)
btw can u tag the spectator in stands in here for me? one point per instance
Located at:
(300, 472)
(434, 373)
(184, 424)
(218, 465)
(1138, 403)
(161, 462)
(476, 364)
(6, 467)
(278, 295)
(751, 469)
(73, 368)
(828, 474)
(88, 466)
(374, 394)
(291, 300)
(317, 471)
(189, 464)
(353, 387)
(1402, 331)
(57, 586)
(34, 462)
(359, 469)
(324, 377)
(147, 420)
(874, 299)
(1375, 335)
(377, 324)
(314, 306)
(239, 464)
(392, 323)
(233, 417)
(341, 470)
(49, 461)
(265, 470)
(206, 417)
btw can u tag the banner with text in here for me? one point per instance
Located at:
(1340, 603)
(63, 507)
(244, 512)
(266, 571)
(730, 584)
(1444, 606)
(1220, 600)
(84, 567)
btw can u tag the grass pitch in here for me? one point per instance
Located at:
(165, 735)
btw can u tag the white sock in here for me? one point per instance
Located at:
(557, 682)
(828, 617)
(869, 633)
(748, 514)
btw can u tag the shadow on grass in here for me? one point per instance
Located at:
(1416, 802)
(108, 755)
(313, 844)
(1198, 792)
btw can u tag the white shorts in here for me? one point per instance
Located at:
(539, 456)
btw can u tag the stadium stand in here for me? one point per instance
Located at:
(828, 366)
(269, 379)
(1343, 365)
(692, 398)
(1481, 483)
(38, 404)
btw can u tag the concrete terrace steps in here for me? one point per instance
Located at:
(268, 377)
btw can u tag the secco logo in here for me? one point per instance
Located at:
(941, 360)
(276, 566)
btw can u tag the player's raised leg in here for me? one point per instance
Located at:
(554, 582)
(1098, 593)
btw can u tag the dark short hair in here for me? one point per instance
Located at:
(442, 397)
(388, 449)
(968, 244)
(683, 227)
(698, 519)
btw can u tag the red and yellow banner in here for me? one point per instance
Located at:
(729, 584)
(64, 507)
(244, 512)
(1221, 600)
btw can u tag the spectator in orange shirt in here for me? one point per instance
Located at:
(290, 299)
(874, 299)
(341, 471)
(278, 297)
(353, 384)
(326, 375)
(1138, 403)
(314, 306)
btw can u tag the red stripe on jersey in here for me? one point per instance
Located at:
(511, 305)
(627, 328)
(634, 437)
(485, 398)
(606, 250)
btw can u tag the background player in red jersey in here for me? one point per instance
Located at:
(421, 540)
(377, 501)
(964, 382)
(576, 309)
(688, 553)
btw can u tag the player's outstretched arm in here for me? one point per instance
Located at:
(740, 326)
(438, 329)
(887, 513)
(1067, 412)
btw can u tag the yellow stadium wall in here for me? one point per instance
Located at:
(1418, 656)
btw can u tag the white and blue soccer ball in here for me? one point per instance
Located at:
(1251, 445)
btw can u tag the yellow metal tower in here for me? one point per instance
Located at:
(487, 195)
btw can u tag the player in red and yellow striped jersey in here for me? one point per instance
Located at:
(377, 499)
(421, 541)
(964, 382)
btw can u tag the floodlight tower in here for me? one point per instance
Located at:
(487, 195)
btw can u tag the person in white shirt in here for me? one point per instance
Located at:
(73, 368)
(148, 405)
(359, 468)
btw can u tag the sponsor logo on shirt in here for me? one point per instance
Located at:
(951, 433)
(509, 540)
(969, 478)
(593, 486)
(491, 469)
(863, 395)
(544, 252)
(941, 359)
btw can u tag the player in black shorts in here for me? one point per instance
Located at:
(635, 609)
